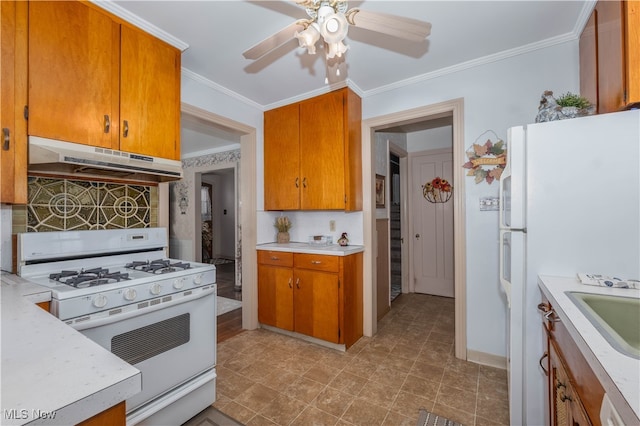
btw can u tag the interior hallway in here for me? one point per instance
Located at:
(265, 378)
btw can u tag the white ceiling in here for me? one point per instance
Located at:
(463, 34)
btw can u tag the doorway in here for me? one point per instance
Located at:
(453, 109)
(245, 176)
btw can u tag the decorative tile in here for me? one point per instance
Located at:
(65, 204)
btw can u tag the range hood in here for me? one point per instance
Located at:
(57, 157)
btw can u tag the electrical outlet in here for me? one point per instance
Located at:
(332, 225)
(489, 203)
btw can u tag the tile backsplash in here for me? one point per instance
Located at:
(67, 204)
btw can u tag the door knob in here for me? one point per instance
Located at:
(417, 236)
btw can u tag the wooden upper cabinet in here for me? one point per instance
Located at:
(98, 81)
(73, 73)
(149, 95)
(282, 158)
(13, 96)
(312, 152)
(610, 56)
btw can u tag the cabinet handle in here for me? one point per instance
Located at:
(547, 316)
(297, 182)
(304, 182)
(545, 355)
(6, 138)
(125, 129)
(298, 283)
(290, 286)
(316, 262)
(107, 123)
(275, 258)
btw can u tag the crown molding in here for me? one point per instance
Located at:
(215, 86)
(134, 19)
(474, 63)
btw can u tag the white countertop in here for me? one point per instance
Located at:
(296, 247)
(49, 367)
(619, 374)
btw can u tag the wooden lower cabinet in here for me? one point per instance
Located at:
(574, 391)
(114, 416)
(315, 295)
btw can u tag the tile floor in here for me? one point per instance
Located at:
(266, 378)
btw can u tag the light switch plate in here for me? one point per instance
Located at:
(489, 203)
(332, 225)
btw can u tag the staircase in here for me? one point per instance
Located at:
(395, 248)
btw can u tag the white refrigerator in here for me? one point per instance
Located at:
(570, 202)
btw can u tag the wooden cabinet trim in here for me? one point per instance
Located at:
(581, 376)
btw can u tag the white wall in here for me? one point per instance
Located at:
(439, 137)
(496, 96)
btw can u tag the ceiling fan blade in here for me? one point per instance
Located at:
(276, 40)
(397, 26)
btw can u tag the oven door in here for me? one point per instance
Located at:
(169, 342)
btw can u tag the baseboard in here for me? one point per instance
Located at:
(484, 358)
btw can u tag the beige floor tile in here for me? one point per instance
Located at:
(421, 387)
(406, 403)
(467, 419)
(312, 416)
(379, 394)
(348, 383)
(238, 412)
(427, 371)
(497, 389)
(256, 397)
(460, 380)
(361, 368)
(333, 401)
(322, 373)
(396, 419)
(493, 373)
(304, 389)
(364, 413)
(456, 398)
(283, 409)
(230, 383)
(259, 420)
(256, 371)
(493, 408)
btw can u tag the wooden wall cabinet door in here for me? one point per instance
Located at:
(610, 56)
(149, 95)
(312, 154)
(97, 81)
(282, 158)
(73, 73)
(13, 96)
(275, 296)
(316, 304)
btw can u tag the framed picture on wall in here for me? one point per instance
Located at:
(380, 191)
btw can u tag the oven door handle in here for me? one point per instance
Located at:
(104, 318)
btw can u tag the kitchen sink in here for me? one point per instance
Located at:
(617, 318)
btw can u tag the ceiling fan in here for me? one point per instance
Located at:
(330, 19)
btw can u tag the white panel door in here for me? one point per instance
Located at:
(433, 265)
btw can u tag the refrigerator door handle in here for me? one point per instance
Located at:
(506, 285)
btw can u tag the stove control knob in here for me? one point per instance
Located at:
(197, 280)
(100, 301)
(178, 283)
(130, 294)
(155, 289)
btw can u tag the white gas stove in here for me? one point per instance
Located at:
(119, 288)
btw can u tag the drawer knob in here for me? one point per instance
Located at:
(316, 262)
(275, 258)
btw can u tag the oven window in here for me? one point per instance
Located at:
(146, 342)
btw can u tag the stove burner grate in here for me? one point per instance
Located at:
(88, 277)
(159, 266)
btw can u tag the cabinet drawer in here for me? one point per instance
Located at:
(317, 262)
(278, 258)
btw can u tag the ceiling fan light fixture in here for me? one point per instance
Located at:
(336, 49)
(308, 38)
